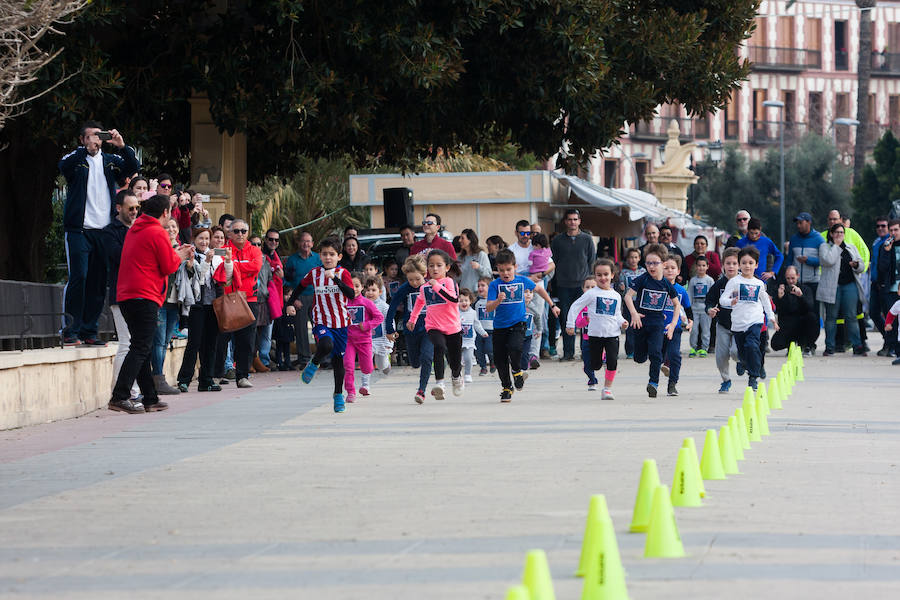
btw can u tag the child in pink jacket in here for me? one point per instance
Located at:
(364, 317)
(442, 320)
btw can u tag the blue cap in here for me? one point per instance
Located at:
(804, 216)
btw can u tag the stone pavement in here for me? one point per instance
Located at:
(268, 494)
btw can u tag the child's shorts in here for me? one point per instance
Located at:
(338, 336)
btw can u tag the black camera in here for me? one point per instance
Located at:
(104, 136)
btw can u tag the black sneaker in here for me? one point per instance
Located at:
(519, 379)
(183, 388)
(739, 367)
(129, 406)
(156, 407)
(672, 391)
(884, 352)
(212, 387)
(828, 353)
(506, 395)
(860, 351)
(94, 342)
(71, 342)
(534, 363)
(651, 390)
(762, 372)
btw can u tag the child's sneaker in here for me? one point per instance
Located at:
(483, 372)
(386, 370)
(493, 368)
(438, 390)
(592, 387)
(458, 385)
(672, 391)
(363, 391)
(752, 382)
(467, 379)
(534, 363)
(692, 353)
(338, 403)
(309, 371)
(701, 353)
(665, 369)
(739, 367)
(420, 396)
(651, 389)
(607, 394)
(506, 395)
(519, 379)
(762, 372)
(725, 387)
(629, 355)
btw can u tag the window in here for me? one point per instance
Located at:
(643, 168)
(841, 110)
(840, 46)
(790, 105)
(732, 117)
(610, 172)
(814, 112)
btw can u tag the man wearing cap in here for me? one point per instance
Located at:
(803, 251)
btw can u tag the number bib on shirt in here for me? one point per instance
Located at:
(378, 332)
(529, 325)
(748, 293)
(393, 286)
(357, 314)
(432, 297)
(515, 292)
(606, 306)
(654, 300)
(484, 315)
(411, 302)
(468, 331)
(700, 290)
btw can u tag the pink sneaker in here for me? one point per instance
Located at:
(351, 398)
(363, 391)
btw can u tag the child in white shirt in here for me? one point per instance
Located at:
(471, 328)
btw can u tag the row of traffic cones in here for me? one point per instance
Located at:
(600, 563)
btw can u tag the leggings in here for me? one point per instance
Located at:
(587, 363)
(508, 351)
(324, 347)
(599, 345)
(449, 344)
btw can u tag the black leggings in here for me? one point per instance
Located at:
(324, 347)
(508, 351)
(608, 344)
(449, 344)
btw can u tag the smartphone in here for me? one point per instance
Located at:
(219, 252)
(104, 136)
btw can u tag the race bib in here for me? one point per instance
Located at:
(529, 325)
(411, 302)
(357, 314)
(700, 290)
(328, 289)
(393, 286)
(432, 297)
(606, 306)
(515, 292)
(654, 300)
(484, 315)
(378, 332)
(468, 331)
(748, 293)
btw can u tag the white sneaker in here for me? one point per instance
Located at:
(386, 370)
(458, 385)
(607, 394)
(244, 383)
(438, 390)
(592, 387)
(468, 379)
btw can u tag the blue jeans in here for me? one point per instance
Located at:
(85, 290)
(672, 351)
(265, 343)
(421, 354)
(526, 353)
(586, 362)
(749, 350)
(648, 343)
(484, 350)
(166, 322)
(567, 295)
(845, 299)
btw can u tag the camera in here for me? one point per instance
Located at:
(104, 136)
(219, 252)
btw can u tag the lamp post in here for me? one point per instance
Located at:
(780, 106)
(634, 172)
(839, 121)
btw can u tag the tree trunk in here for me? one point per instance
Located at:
(863, 75)
(27, 179)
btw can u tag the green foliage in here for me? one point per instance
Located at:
(755, 187)
(879, 185)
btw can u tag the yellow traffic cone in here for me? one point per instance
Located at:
(685, 482)
(742, 428)
(736, 445)
(690, 445)
(726, 451)
(536, 576)
(711, 464)
(597, 513)
(518, 592)
(605, 577)
(763, 394)
(750, 416)
(643, 503)
(663, 540)
(775, 394)
(762, 411)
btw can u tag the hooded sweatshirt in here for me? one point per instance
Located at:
(147, 261)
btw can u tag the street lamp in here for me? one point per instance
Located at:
(839, 121)
(633, 168)
(780, 106)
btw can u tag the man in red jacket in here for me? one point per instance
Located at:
(247, 260)
(432, 226)
(147, 261)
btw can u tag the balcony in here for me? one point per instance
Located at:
(885, 64)
(769, 58)
(655, 129)
(841, 61)
(732, 130)
(768, 132)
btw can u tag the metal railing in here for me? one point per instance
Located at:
(655, 128)
(784, 59)
(885, 64)
(841, 61)
(768, 132)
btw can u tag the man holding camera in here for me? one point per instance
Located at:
(798, 318)
(91, 177)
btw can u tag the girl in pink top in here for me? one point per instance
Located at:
(442, 320)
(364, 317)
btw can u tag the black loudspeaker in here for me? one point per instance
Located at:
(398, 207)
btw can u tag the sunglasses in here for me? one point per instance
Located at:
(256, 243)
(240, 231)
(881, 225)
(273, 240)
(743, 219)
(165, 185)
(525, 234)
(429, 223)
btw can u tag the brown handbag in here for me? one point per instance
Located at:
(232, 311)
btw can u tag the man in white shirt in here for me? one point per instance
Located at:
(91, 177)
(522, 248)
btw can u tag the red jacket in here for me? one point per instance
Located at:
(147, 261)
(247, 263)
(423, 247)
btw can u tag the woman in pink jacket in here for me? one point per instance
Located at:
(442, 321)
(364, 317)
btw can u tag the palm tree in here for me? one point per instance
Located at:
(863, 75)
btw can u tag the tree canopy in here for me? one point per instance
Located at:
(879, 186)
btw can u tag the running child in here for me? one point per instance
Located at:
(581, 322)
(484, 348)
(698, 286)
(531, 330)
(370, 269)
(333, 287)
(364, 318)
(381, 345)
(651, 290)
(631, 271)
(442, 322)
(418, 347)
(721, 311)
(471, 330)
(506, 298)
(750, 306)
(605, 324)
(672, 346)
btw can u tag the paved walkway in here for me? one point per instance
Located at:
(269, 494)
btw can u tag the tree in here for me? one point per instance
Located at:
(879, 184)
(395, 81)
(23, 26)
